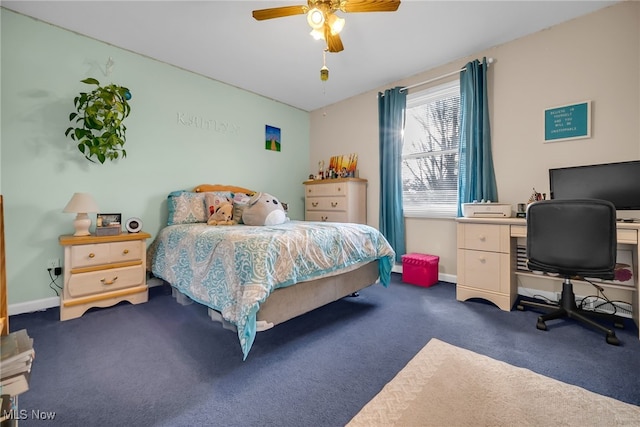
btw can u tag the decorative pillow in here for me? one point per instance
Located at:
(240, 202)
(213, 200)
(264, 209)
(186, 207)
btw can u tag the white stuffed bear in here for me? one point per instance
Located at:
(264, 209)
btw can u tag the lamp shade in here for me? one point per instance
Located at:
(81, 203)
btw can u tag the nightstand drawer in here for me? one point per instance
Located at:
(101, 281)
(105, 253)
(326, 203)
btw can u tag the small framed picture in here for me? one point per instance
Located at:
(108, 219)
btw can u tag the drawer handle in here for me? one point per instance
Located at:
(482, 238)
(314, 204)
(126, 251)
(92, 255)
(324, 218)
(109, 282)
(482, 259)
(339, 188)
(334, 204)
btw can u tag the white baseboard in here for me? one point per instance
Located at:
(31, 306)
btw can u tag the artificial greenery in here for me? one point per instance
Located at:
(98, 121)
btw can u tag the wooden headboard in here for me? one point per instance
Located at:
(218, 187)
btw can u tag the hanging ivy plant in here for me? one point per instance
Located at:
(98, 121)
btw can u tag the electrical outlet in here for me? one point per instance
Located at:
(53, 263)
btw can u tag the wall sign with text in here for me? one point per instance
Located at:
(567, 122)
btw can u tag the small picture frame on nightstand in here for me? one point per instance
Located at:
(108, 224)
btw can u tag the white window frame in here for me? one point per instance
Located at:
(449, 210)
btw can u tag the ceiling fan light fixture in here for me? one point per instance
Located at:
(335, 23)
(317, 34)
(315, 18)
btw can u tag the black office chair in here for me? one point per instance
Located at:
(574, 239)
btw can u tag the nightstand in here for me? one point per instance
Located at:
(101, 271)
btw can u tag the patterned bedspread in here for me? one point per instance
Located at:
(233, 269)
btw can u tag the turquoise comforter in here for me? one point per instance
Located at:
(233, 269)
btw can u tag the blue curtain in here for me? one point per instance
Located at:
(391, 114)
(476, 177)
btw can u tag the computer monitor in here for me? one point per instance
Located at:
(617, 182)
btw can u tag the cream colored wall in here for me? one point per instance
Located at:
(595, 57)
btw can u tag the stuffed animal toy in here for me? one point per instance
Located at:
(264, 209)
(223, 215)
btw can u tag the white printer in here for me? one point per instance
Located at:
(486, 210)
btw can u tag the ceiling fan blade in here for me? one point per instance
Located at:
(334, 43)
(279, 12)
(370, 6)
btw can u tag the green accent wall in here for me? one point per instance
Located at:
(184, 130)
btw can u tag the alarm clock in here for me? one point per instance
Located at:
(133, 225)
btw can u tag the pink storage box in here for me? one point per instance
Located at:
(420, 269)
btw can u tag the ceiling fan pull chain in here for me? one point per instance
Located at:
(324, 71)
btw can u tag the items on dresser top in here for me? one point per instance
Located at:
(101, 271)
(336, 200)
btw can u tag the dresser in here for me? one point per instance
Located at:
(336, 200)
(101, 271)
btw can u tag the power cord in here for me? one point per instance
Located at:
(53, 284)
(606, 302)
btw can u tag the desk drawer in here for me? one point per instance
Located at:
(483, 237)
(627, 236)
(484, 270)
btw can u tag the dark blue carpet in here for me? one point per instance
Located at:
(163, 364)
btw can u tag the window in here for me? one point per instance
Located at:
(430, 152)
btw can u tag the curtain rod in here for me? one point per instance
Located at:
(489, 62)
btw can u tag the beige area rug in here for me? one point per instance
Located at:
(444, 385)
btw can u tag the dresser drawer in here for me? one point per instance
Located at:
(328, 189)
(326, 203)
(110, 279)
(104, 253)
(325, 216)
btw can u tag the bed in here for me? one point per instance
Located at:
(255, 277)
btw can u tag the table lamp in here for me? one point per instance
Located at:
(81, 204)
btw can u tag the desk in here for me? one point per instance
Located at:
(487, 253)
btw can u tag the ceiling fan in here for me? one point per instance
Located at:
(321, 16)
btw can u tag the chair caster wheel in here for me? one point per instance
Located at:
(541, 325)
(613, 340)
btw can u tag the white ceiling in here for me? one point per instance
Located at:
(278, 58)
